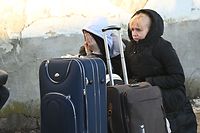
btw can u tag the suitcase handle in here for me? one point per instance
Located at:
(48, 75)
(109, 65)
(111, 27)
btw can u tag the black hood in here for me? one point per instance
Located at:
(157, 25)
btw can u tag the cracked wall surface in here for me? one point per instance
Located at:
(26, 41)
(23, 79)
(23, 66)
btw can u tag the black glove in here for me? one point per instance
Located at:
(4, 94)
(3, 77)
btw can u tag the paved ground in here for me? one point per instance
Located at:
(197, 112)
(196, 107)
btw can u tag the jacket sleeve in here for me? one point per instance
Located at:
(174, 75)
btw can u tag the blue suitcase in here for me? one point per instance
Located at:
(73, 95)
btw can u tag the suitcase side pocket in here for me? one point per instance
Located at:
(54, 107)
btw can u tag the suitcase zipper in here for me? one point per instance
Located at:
(56, 74)
(68, 98)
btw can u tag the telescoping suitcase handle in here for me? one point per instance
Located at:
(109, 65)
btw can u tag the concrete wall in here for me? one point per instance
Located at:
(23, 81)
(185, 37)
(23, 67)
(42, 38)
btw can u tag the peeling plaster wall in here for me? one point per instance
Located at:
(23, 66)
(23, 49)
(28, 36)
(23, 81)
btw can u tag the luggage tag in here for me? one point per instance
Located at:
(135, 85)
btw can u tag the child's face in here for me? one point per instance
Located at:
(139, 26)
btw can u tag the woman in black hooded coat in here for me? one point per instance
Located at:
(153, 59)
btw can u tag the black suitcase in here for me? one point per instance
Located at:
(73, 96)
(133, 108)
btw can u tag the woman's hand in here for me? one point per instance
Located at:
(90, 44)
(88, 49)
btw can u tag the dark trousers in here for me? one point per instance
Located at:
(4, 94)
(183, 121)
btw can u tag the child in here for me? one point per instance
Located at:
(94, 43)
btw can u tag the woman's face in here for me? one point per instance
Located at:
(139, 26)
